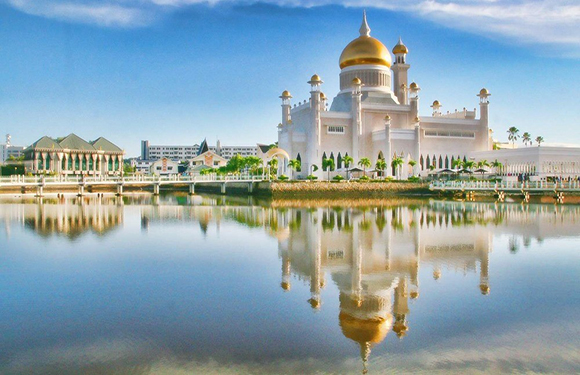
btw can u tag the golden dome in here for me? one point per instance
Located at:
(414, 86)
(387, 118)
(286, 94)
(365, 50)
(400, 48)
(372, 331)
(356, 81)
(417, 119)
(315, 78)
(484, 92)
(436, 104)
(322, 96)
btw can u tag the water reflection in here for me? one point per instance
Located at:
(371, 252)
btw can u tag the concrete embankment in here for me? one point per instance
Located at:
(325, 189)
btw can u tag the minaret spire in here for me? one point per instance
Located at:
(365, 30)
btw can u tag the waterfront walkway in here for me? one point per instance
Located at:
(118, 183)
(501, 189)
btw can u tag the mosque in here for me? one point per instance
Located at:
(375, 115)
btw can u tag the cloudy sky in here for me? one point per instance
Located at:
(176, 71)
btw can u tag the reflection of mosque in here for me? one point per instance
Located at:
(374, 257)
(70, 217)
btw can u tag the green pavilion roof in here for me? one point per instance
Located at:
(104, 144)
(74, 142)
(45, 143)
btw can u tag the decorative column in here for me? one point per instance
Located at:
(417, 155)
(388, 152)
(314, 140)
(94, 156)
(106, 168)
(356, 118)
(485, 143)
(44, 155)
(35, 165)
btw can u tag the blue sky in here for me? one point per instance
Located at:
(176, 71)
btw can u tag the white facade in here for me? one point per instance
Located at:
(182, 152)
(375, 115)
(164, 167)
(7, 150)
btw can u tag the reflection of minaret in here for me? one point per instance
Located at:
(286, 268)
(414, 271)
(401, 309)
(316, 278)
(483, 276)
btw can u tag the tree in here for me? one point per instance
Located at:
(294, 165)
(365, 163)
(481, 164)
(513, 134)
(412, 163)
(252, 163)
(235, 164)
(497, 165)
(273, 164)
(396, 163)
(539, 140)
(469, 165)
(527, 138)
(381, 165)
(348, 160)
(457, 163)
(328, 164)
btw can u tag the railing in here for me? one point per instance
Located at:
(488, 185)
(38, 180)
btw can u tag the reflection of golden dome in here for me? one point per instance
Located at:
(484, 289)
(400, 328)
(436, 274)
(400, 48)
(414, 295)
(365, 50)
(285, 285)
(314, 303)
(362, 331)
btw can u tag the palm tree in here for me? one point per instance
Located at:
(381, 165)
(294, 165)
(412, 163)
(497, 165)
(365, 163)
(481, 164)
(348, 160)
(513, 134)
(328, 164)
(527, 138)
(457, 163)
(273, 165)
(396, 163)
(469, 165)
(539, 140)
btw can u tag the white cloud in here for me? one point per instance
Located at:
(551, 22)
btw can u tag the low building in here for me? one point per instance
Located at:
(164, 167)
(73, 155)
(187, 152)
(537, 163)
(9, 151)
(207, 158)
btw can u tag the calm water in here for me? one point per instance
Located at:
(182, 285)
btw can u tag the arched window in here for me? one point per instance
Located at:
(339, 161)
(421, 162)
(332, 158)
(446, 161)
(322, 162)
(300, 161)
(440, 162)
(381, 155)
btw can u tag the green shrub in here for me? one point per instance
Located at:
(364, 178)
(414, 179)
(311, 177)
(283, 178)
(338, 178)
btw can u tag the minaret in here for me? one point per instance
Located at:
(286, 272)
(315, 133)
(285, 107)
(388, 153)
(436, 108)
(414, 100)
(400, 68)
(484, 119)
(401, 309)
(356, 118)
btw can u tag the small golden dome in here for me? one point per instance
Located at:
(400, 48)
(286, 94)
(436, 104)
(365, 50)
(315, 78)
(484, 92)
(417, 119)
(322, 96)
(387, 118)
(414, 86)
(356, 81)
